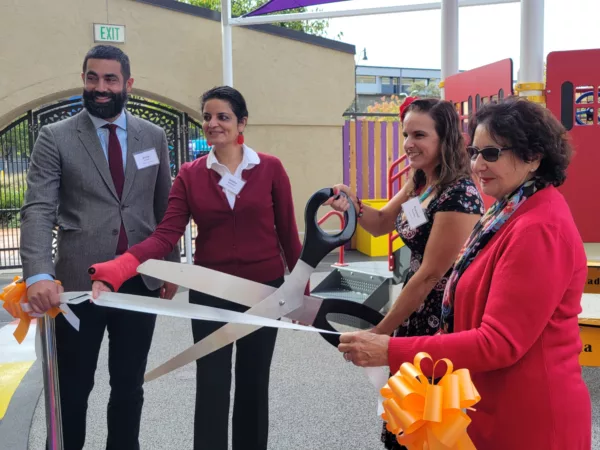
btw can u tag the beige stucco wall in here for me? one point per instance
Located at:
(296, 92)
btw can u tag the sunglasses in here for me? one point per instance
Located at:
(489, 154)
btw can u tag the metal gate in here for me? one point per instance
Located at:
(184, 137)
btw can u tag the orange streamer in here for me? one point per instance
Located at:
(14, 296)
(428, 416)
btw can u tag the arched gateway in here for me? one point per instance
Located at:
(184, 137)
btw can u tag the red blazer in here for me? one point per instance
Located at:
(246, 241)
(516, 330)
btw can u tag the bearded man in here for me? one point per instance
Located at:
(103, 177)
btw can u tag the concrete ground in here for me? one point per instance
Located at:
(317, 400)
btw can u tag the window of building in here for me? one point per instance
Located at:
(406, 83)
(366, 79)
(389, 80)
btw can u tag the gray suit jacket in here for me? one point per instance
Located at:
(69, 183)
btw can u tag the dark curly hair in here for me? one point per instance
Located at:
(454, 161)
(531, 131)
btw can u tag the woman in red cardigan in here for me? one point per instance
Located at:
(241, 202)
(511, 305)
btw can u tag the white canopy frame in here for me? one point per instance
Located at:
(532, 34)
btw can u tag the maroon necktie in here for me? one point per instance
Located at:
(115, 163)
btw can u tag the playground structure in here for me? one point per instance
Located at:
(571, 94)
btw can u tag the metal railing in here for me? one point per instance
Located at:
(340, 262)
(391, 179)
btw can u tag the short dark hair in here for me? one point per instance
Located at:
(109, 52)
(230, 95)
(454, 161)
(531, 131)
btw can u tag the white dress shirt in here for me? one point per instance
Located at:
(249, 160)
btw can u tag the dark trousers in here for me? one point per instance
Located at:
(213, 384)
(129, 334)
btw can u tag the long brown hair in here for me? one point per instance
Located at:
(454, 161)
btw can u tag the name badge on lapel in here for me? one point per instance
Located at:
(146, 158)
(414, 213)
(231, 183)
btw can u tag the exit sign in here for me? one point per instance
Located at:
(109, 33)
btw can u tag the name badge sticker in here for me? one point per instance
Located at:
(231, 183)
(414, 213)
(146, 158)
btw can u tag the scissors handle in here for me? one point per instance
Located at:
(346, 307)
(317, 243)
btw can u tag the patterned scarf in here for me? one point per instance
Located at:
(485, 230)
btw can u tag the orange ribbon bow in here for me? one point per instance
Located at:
(14, 295)
(428, 416)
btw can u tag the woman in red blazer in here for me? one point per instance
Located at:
(241, 202)
(511, 304)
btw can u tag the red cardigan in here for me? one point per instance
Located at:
(516, 330)
(244, 241)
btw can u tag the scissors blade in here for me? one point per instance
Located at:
(225, 286)
(308, 312)
(284, 300)
(211, 282)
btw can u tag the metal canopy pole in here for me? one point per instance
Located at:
(449, 40)
(227, 42)
(51, 387)
(531, 70)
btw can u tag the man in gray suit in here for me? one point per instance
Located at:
(103, 175)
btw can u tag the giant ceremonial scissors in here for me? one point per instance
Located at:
(266, 304)
(286, 301)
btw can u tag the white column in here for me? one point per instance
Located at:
(531, 69)
(227, 45)
(449, 39)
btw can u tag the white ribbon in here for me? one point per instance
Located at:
(378, 376)
(175, 308)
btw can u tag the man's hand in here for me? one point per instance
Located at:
(44, 295)
(168, 291)
(98, 287)
(364, 348)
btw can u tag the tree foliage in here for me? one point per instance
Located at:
(391, 105)
(241, 7)
(420, 89)
(387, 105)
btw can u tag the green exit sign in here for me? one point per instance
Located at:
(109, 33)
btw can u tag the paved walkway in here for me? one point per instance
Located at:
(317, 401)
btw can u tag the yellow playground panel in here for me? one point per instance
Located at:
(589, 319)
(374, 246)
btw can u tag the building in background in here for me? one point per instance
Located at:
(373, 83)
(392, 80)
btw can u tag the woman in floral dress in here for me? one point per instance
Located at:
(434, 214)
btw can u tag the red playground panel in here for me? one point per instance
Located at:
(469, 90)
(572, 85)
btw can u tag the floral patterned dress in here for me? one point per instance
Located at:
(461, 196)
